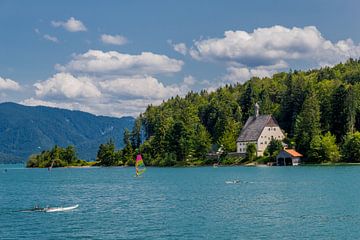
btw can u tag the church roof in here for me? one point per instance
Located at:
(254, 126)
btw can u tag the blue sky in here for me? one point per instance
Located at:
(116, 57)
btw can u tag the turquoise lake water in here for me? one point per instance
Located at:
(182, 203)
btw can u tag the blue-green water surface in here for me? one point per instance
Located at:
(182, 203)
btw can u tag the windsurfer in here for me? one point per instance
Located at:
(139, 165)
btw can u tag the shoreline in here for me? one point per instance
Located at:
(251, 164)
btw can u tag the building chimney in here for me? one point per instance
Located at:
(257, 108)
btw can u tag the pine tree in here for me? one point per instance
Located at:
(274, 148)
(136, 133)
(307, 124)
(247, 102)
(106, 154)
(228, 139)
(324, 149)
(251, 152)
(293, 99)
(128, 151)
(202, 142)
(339, 113)
(351, 148)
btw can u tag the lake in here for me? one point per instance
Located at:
(182, 203)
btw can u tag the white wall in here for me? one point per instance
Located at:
(265, 138)
(241, 146)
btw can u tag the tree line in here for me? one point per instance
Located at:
(319, 111)
(56, 157)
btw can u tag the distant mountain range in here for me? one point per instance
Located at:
(26, 130)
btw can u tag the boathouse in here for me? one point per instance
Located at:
(258, 129)
(288, 157)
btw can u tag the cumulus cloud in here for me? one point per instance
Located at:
(180, 48)
(114, 96)
(113, 62)
(269, 46)
(189, 80)
(242, 74)
(38, 102)
(71, 25)
(239, 73)
(109, 83)
(116, 108)
(8, 84)
(51, 38)
(139, 87)
(113, 39)
(65, 85)
(266, 51)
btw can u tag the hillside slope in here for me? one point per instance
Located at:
(26, 130)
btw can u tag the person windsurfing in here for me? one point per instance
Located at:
(137, 171)
(51, 166)
(139, 165)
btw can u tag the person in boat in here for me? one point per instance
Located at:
(37, 208)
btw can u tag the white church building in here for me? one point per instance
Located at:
(258, 129)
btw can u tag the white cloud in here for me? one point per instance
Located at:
(51, 38)
(189, 80)
(37, 102)
(113, 39)
(112, 62)
(71, 25)
(139, 87)
(65, 85)
(180, 48)
(242, 74)
(94, 107)
(239, 73)
(113, 96)
(8, 84)
(109, 83)
(116, 108)
(117, 96)
(269, 46)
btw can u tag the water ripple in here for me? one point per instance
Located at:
(182, 203)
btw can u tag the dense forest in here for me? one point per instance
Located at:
(56, 157)
(319, 111)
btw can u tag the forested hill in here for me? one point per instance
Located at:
(26, 130)
(312, 107)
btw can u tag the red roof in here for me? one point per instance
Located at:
(293, 153)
